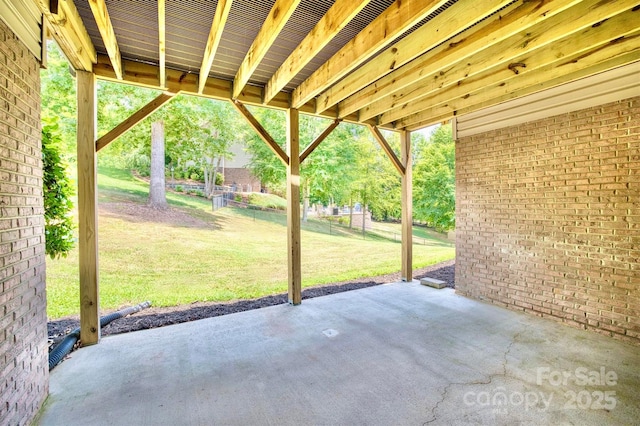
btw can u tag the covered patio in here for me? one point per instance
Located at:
(400, 66)
(401, 354)
(544, 100)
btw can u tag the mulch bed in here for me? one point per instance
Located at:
(159, 317)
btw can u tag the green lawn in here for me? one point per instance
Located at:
(238, 253)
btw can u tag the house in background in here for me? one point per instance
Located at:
(235, 169)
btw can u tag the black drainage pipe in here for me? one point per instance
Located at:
(64, 347)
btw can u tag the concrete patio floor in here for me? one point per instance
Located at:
(397, 354)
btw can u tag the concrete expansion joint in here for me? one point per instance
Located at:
(487, 381)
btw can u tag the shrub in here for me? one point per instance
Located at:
(237, 198)
(219, 179)
(179, 188)
(194, 173)
(198, 193)
(57, 191)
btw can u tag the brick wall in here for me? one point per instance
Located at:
(548, 218)
(24, 370)
(241, 177)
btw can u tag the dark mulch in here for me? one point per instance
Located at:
(159, 317)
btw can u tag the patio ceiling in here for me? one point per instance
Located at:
(399, 65)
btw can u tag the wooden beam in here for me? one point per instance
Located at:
(336, 18)
(382, 31)
(500, 58)
(262, 132)
(407, 208)
(213, 41)
(277, 18)
(522, 71)
(162, 43)
(87, 208)
(134, 119)
(514, 19)
(293, 208)
(146, 75)
(317, 141)
(69, 31)
(103, 21)
(387, 149)
(450, 22)
(495, 97)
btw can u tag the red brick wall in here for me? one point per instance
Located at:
(24, 371)
(548, 218)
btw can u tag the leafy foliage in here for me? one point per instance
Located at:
(58, 97)
(57, 192)
(434, 181)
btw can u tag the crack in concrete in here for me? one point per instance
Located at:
(488, 381)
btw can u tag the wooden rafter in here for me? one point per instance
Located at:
(134, 119)
(387, 149)
(162, 40)
(520, 70)
(600, 58)
(336, 18)
(515, 19)
(103, 21)
(317, 141)
(213, 41)
(382, 31)
(606, 65)
(277, 18)
(70, 33)
(261, 131)
(449, 23)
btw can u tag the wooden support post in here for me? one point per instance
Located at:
(293, 207)
(407, 207)
(87, 208)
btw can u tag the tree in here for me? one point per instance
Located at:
(58, 97)
(57, 191)
(200, 132)
(157, 196)
(434, 181)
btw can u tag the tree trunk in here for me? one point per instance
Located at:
(157, 194)
(207, 185)
(214, 175)
(364, 220)
(364, 210)
(350, 212)
(305, 203)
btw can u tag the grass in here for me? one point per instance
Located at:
(268, 201)
(241, 254)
